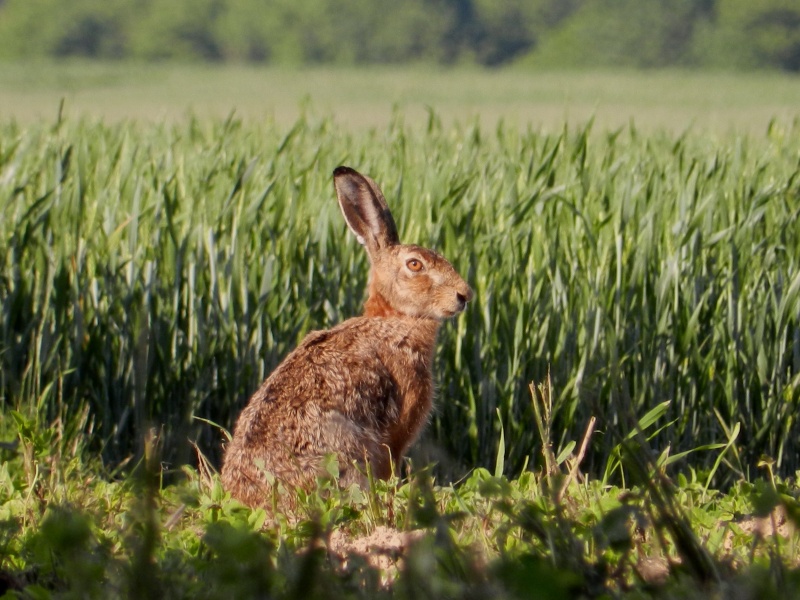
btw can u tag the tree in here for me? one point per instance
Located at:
(777, 37)
(745, 34)
(551, 33)
(503, 30)
(624, 33)
(176, 29)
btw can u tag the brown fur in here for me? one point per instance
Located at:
(362, 390)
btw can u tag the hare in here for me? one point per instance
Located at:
(362, 390)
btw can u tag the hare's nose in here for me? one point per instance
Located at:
(462, 300)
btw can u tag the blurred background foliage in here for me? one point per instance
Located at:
(729, 34)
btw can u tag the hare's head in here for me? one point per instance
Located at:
(405, 279)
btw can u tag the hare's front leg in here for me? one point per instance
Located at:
(357, 448)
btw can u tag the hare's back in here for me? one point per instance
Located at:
(335, 371)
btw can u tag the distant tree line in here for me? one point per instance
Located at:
(555, 33)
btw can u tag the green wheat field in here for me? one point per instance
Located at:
(617, 410)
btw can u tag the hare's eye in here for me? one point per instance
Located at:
(414, 265)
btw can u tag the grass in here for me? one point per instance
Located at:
(66, 532)
(153, 275)
(717, 103)
(152, 272)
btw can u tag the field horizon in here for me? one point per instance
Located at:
(371, 97)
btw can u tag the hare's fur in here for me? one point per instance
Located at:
(362, 390)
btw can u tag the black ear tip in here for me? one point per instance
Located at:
(339, 171)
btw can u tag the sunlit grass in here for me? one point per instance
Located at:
(151, 274)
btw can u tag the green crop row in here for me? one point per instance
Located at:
(152, 276)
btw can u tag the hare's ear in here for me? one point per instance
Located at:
(365, 209)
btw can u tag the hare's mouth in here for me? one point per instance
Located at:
(460, 305)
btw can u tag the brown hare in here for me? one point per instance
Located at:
(362, 390)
